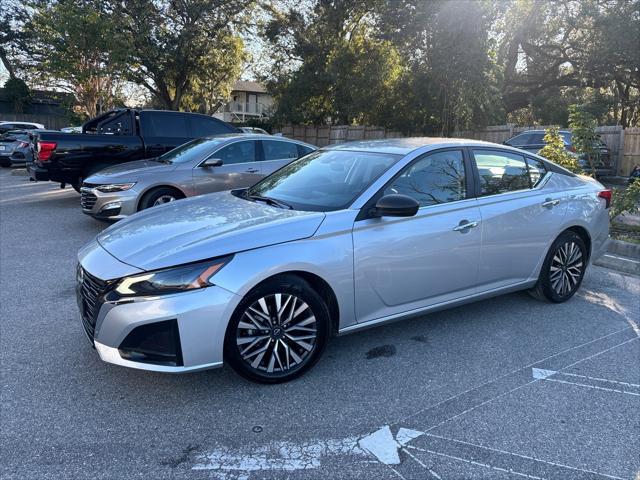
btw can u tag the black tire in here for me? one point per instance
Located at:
(292, 340)
(5, 164)
(153, 196)
(563, 269)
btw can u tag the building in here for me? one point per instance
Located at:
(248, 100)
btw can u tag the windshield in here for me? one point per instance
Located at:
(324, 180)
(195, 150)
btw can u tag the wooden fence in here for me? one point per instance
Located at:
(624, 144)
(55, 122)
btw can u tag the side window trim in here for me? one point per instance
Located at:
(366, 208)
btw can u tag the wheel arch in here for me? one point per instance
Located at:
(583, 233)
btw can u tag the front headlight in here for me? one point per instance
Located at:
(172, 280)
(115, 187)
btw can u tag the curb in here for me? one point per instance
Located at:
(621, 256)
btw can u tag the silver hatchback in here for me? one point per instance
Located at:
(203, 165)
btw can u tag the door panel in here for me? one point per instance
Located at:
(403, 264)
(239, 169)
(406, 263)
(518, 222)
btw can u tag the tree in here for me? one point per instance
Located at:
(583, 135)
(17, 92)
(77, 49)
(13, 35)
(171, 47)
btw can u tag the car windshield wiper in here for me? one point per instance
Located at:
(270, 201)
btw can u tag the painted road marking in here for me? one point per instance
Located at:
(541, 374)
(520, 455)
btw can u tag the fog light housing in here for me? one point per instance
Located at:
(111, 206)
(157, 343)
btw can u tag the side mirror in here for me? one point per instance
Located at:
(212, 162)
(396, 205)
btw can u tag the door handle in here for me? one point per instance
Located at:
(251, 170)
(548, 203)
(465, 226)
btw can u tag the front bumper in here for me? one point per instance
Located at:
(113, 206)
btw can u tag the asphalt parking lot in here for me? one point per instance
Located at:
(505, 388)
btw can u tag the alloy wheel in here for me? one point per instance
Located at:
(164, 199)
(277, 333)
(566, 268)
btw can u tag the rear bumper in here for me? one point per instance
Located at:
(38, 173)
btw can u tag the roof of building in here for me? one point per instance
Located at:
(248, 86)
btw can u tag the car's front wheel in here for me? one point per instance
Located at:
(159, 196)
(563, 269)
(278, 331)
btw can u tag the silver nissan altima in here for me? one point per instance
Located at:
(348, 237)
(203, 165)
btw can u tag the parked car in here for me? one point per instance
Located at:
(17, 148)
(203, 165)
(116, 137)
(5, 126)
(348, 237)
(254, 130)
(532, 141)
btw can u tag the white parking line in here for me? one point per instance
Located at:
(626, 392)
(526, 457)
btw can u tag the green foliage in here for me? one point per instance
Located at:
(370, 62)
(584, 137)
(187, 54)
(77, 48)
(555, 151)
(17, 92)
(625, 200)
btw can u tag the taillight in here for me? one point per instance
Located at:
(572, 148)
(45, 150)
(606, 194)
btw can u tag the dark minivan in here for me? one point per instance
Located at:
(115, 137)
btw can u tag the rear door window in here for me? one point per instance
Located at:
(537, 170)
(204, 127)
(276, 150)
(536, 139)
(237, 152)
(165, 124)
(501, 172)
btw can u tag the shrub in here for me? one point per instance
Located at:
(625, 200)
(555, 151)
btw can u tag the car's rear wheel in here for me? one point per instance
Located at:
(563, 269)
(159, 196)
(278, 331)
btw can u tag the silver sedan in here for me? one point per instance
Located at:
(200, 166)
(348, 237)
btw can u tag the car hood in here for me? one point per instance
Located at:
(203, 227)
(128, 171)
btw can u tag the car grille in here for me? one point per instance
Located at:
(87, 198)
(90, 290)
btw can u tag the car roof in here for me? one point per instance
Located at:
(255, 136)
(403, 146)
(539, 131)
